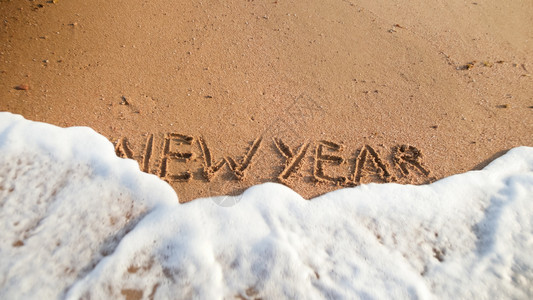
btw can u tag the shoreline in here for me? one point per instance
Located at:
(81, 222)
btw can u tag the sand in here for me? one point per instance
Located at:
(217, 97)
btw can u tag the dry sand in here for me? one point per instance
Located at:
(327, 90)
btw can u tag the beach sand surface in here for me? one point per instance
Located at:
(322, 92)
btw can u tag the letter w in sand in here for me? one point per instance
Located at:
(211, 168)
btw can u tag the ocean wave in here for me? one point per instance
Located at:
(79, 222)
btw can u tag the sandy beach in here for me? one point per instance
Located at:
(293, 109)
(332, 91)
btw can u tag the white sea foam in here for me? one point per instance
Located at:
(78, 222)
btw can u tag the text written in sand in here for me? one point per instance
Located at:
(199, 162)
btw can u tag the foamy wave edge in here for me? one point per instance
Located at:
(80, 222)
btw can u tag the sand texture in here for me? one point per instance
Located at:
(217, 96)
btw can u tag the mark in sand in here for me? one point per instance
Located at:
(321, 158)
(292, 160)
(122, 149)
(197, 161)
(210, 169)
(179, 139)
(239, 168)
(367, 155)
(405, 156)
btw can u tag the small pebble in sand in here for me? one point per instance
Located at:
(468, 66)
(22, 87)
(124, 101)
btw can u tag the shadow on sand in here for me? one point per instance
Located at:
(487, 161)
